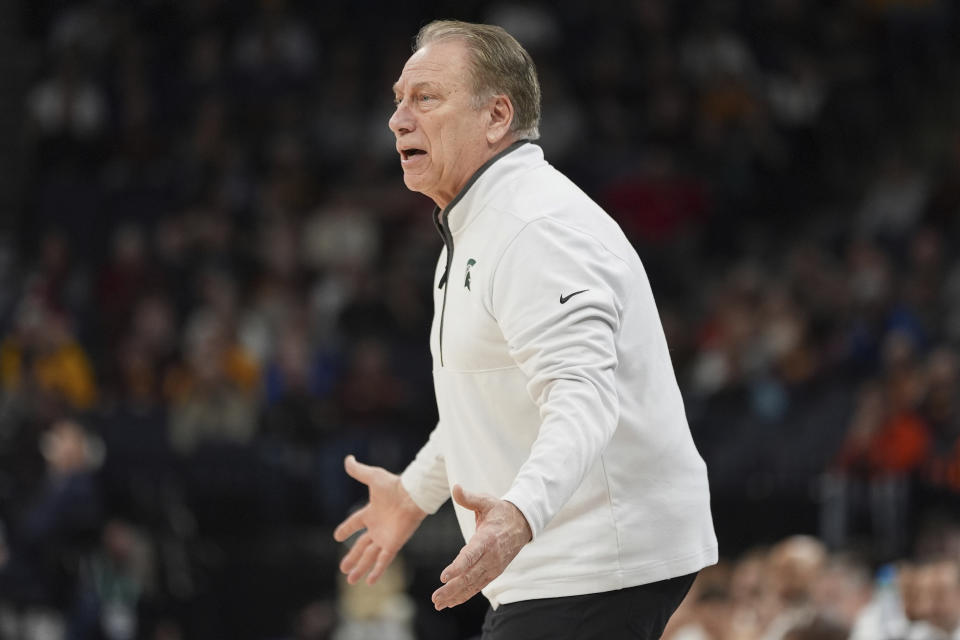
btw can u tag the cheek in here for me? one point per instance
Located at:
(444, 152)
(453, 145)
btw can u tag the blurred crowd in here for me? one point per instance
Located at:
(797, 590)
(218, 286)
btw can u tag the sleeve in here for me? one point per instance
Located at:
(425, 479)
(556, 294)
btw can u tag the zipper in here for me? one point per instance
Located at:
(444, 228)
(440, 219)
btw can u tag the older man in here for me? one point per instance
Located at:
(562, 435)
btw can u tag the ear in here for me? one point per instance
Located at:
(500, 110)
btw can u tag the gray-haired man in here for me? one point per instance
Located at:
(588, 510)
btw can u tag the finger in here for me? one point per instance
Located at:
(350, 526)
(447, 599)
(468, 556)
(356, 551)
(364, 564)
(358, 471)
(461, 589)
(384, 558)
(471, 500)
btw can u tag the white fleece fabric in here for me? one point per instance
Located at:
(556, 391)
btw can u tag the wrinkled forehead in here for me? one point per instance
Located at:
(444, 63)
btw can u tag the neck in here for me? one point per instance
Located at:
(443, 200)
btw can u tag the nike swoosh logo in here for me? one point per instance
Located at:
(563, 298)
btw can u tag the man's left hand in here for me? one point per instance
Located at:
(501, 533)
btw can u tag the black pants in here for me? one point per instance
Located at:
(636, 613)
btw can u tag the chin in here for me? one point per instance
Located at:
(413, 184)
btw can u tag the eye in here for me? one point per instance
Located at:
(423, 97)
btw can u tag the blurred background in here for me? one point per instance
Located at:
(214, 285)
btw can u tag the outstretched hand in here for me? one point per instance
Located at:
(389, 519)
(502, 530)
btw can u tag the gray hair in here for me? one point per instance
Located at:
(500, 65)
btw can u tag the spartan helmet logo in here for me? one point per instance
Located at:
(466, 281)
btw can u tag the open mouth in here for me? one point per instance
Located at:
(406, 154)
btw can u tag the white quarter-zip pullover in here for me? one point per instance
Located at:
(556, 391)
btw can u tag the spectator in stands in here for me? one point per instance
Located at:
(42, 362)
(123, 279)
(114, 581)
(707, 613)
(931, 599)
(841, 591)
(57, 525)
(793, 567)
(887, 442)
(945, 609)
(214, 397)
(940, 409)
(69, 111)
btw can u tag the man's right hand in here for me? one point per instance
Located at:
(390, 518)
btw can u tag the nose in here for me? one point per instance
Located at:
(401, 121)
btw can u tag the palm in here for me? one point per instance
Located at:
(388, 521)
(386, 517)
(502, 530)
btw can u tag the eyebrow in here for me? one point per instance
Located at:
(418, 85)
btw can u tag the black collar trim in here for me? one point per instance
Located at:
(440, 218)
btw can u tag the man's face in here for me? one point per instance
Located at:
(441, 136)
